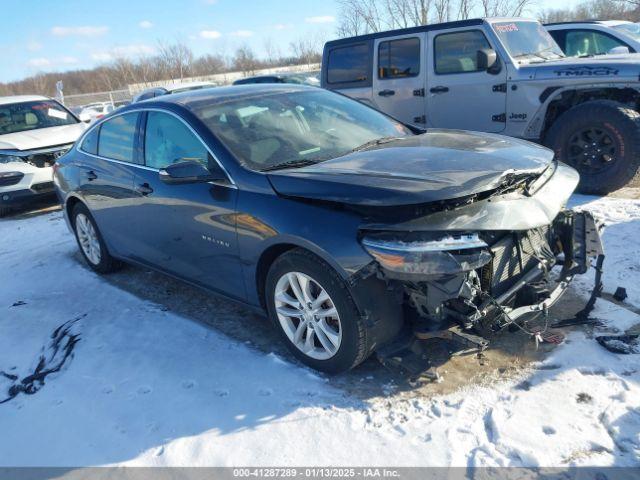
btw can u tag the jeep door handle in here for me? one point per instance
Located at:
(91, 175)
(144, 189)
(386, 93)
(439, 89)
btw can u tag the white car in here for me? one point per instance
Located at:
(94, 111)
(597, 37)
(171, 88)
(34, 132)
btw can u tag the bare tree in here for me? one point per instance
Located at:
(308, 49)
(176, 59)
(600, 9)
(245, 60)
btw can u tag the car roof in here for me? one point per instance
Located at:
(426, 28)
(21, 98)
(177, 86)
(218, 95)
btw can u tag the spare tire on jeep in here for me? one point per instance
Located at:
(600, 139)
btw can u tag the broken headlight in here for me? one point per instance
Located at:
(446, 255)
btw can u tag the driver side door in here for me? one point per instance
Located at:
(187, 230)
(461, 95)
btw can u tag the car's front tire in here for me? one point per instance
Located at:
(90, 241)
(600, 139)
(311, 307)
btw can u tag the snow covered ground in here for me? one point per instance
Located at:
(146, 387)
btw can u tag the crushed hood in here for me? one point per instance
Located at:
(42, 137)
(435, 166)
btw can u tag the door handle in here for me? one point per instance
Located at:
(439, 89)
(386, 93)
(91, 175)
(144, 189)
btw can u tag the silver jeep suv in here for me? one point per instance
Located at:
(501, 75)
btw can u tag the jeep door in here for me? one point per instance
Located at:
(188, 230)
(461, 94)
(400, 77)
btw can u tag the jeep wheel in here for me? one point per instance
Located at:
(600, 139)
(314, 312)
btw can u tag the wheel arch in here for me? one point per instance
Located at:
(562, 100)
(69, 205)
(283, 245)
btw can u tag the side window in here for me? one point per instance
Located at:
(399, 58)
(117, 138)
(349, 64)
(559, 36)
(167, 140)
(458, 52)
(90, 142)
(581, 43)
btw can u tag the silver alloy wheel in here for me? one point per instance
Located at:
(308, 315)
(88, 239)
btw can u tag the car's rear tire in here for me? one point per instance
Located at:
(325, 330)
(600, 139)
(90, 241)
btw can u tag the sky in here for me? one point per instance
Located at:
(59, 35)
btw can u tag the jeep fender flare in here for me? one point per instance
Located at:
(539, 123)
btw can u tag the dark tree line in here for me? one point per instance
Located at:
(171, 62)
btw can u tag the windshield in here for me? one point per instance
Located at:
(294, 128)
(631, 29)
(527, 41)
(24, 116)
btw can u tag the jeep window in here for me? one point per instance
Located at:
(117, 138)
(527, 41)
(349, 64)
(399, 58)
(458, 52)
(294, 128)
(24, 116)
(584, 43)
(630, 29)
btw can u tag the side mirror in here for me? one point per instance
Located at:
(190, 171)
(487, 59)
(619, 50)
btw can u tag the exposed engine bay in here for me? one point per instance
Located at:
(491, 263)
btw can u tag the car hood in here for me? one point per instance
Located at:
(608, 67)
(42, 137)
(435, 166)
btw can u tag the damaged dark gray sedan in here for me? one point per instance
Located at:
(349, 228)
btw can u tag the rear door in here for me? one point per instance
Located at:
(400, 78)
(459, 94)
(106, 177)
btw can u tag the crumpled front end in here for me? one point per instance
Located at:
(514, 255)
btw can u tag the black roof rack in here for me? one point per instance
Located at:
(406, 31)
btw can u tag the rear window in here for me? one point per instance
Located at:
(117, 138)
(349, 64)
(90, 142)
(399, 58)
